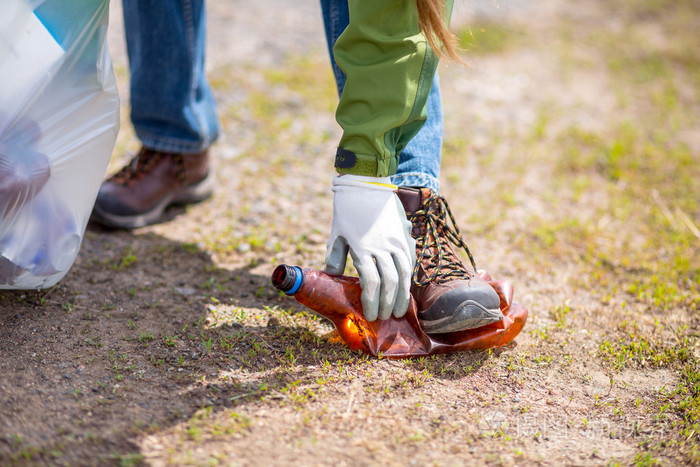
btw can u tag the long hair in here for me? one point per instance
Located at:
(433, 22)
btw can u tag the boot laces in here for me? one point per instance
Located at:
(143, 163)
(442, 263)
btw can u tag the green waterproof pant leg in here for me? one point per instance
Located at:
(389, 69)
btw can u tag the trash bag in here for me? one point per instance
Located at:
(59, 118)
(337, 298)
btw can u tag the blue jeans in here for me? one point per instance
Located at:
(419, 163)
(172, 106)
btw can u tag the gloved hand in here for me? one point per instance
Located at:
(370, 223)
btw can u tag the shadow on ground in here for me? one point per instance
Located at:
(141, 334)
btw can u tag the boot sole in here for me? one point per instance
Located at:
(468, 315)
(189, 195)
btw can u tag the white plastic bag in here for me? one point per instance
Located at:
(59, 118)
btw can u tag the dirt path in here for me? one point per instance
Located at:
(169, 346)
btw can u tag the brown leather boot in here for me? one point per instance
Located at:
(140, 192)
(450, 296)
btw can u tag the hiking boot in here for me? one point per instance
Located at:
(450, 296)
(140, 192)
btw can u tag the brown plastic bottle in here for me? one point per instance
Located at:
(338, 299)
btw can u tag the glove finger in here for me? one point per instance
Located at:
(337, 256)
(369, 282)
(388, 287)
(403, 294)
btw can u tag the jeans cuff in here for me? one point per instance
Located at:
(164, 144)
(416, 179)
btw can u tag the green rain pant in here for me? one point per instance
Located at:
(389, 69)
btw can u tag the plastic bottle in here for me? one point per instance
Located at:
(338, 299)
(41, 246)
(23, 170)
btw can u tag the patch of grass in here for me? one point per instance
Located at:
(129, 459)
(639, 350)
(492, 38)
(145, 337)
(688, 406)
(645, 459)
(648, 253)
(556, 240)
(624, 204)
(205, 424)
(309, 77)
(127, 259)
(559, 314)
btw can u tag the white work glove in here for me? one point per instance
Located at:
(370, 223)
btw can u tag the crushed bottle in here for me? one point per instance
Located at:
(337, 298)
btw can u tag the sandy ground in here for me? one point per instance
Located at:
(168, 346)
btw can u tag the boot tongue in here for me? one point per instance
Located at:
(411, 198)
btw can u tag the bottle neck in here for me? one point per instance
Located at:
(288, 279)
